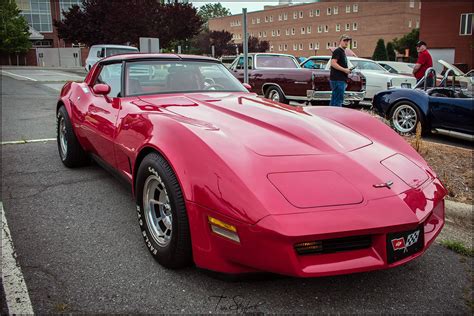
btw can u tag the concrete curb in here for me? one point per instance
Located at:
(460, 213)
(459, 224)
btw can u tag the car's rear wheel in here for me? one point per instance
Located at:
(274, 93)
(162, 213)
(405, 116)
(70, 151)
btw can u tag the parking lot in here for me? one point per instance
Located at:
(80, 250)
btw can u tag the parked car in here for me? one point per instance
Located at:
(315, 62)
(377, 77)
(236, 183)
(397, 67)
(280, 78)
(446, 110)
(463, 80)
(227, 60)
(97, 52)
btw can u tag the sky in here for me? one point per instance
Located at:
(236, 6)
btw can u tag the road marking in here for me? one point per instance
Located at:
(16, 292)
(12, 74)
(26, 141)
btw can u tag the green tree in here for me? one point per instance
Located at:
(14, 31)
(212, 10)
(391, 52)
(408, 41)
(380, 52)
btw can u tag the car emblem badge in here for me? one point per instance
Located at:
(387, 184)
(401, 244)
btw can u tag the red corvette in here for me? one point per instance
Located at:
(236, 183)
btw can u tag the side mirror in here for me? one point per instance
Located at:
(247, 86)
(101, 89)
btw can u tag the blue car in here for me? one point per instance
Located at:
(441, 110)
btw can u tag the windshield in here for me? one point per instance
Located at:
(276, 61)
(155, 77)
(118, 51)
(367, 65)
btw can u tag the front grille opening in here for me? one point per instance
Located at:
(333, 245)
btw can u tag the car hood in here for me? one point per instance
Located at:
(266, 128)
(456, 70)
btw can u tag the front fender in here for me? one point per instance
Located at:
(384, 101)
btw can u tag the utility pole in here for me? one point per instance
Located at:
(245, 45)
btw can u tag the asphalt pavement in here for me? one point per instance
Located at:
(80, 250)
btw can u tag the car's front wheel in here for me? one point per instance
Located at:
(274, 93)
(70, 151)
(405, 116)
(162, 213)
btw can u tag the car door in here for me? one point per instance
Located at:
(238, 69)
(455, 114)
(101, 113)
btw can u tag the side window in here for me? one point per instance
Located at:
(240, 63)
(111, 75)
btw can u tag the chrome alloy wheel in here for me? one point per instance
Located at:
(404, 118)
(62, 136)
(274, 96)
(157, 210)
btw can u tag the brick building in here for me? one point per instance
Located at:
(450, 38)
(311, 28)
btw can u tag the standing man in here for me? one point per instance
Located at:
(423, 63)
(339, 72)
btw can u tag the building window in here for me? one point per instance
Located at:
(65, 5)
(264, 33)
(285, 16)
(266, 19)
(466, 24)
(301, 46)
(273, 33)
(280, 17)
(317, 45)
(43, 43)
(38, 14)
(338, 27)
(417, 24)
(409, 24)
(279, 47)
(320, 28)
(348, 9)
(278, 32)
(293, 31)
(328, 44)
(303, 30)
(335, 10)
(354, 44)
(311, 13)
(253, 21)
(308, 30)
(318, 12)
(287, 32)
(295, 15)
(271, 18)
(271, 48)
(412, 3)
(355, 8)
(260, 34)
(326, 28)
(295, 46)
(354, 26)
(311, 46)
(328, 12)
(285, 47)
(258, 20)
(348, 27)
(301, 14)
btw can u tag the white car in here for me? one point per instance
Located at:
(397, 67)
(97, 52)
(377, 77)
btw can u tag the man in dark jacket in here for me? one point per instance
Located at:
(339, 72)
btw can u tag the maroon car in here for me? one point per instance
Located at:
(280, 78)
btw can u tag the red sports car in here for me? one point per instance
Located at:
(236, 183)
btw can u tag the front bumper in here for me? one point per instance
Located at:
(313, 95)
(268, 246)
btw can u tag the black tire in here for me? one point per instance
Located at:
(72, 155)
(274, 92)
(177, 253)
(410, 106)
